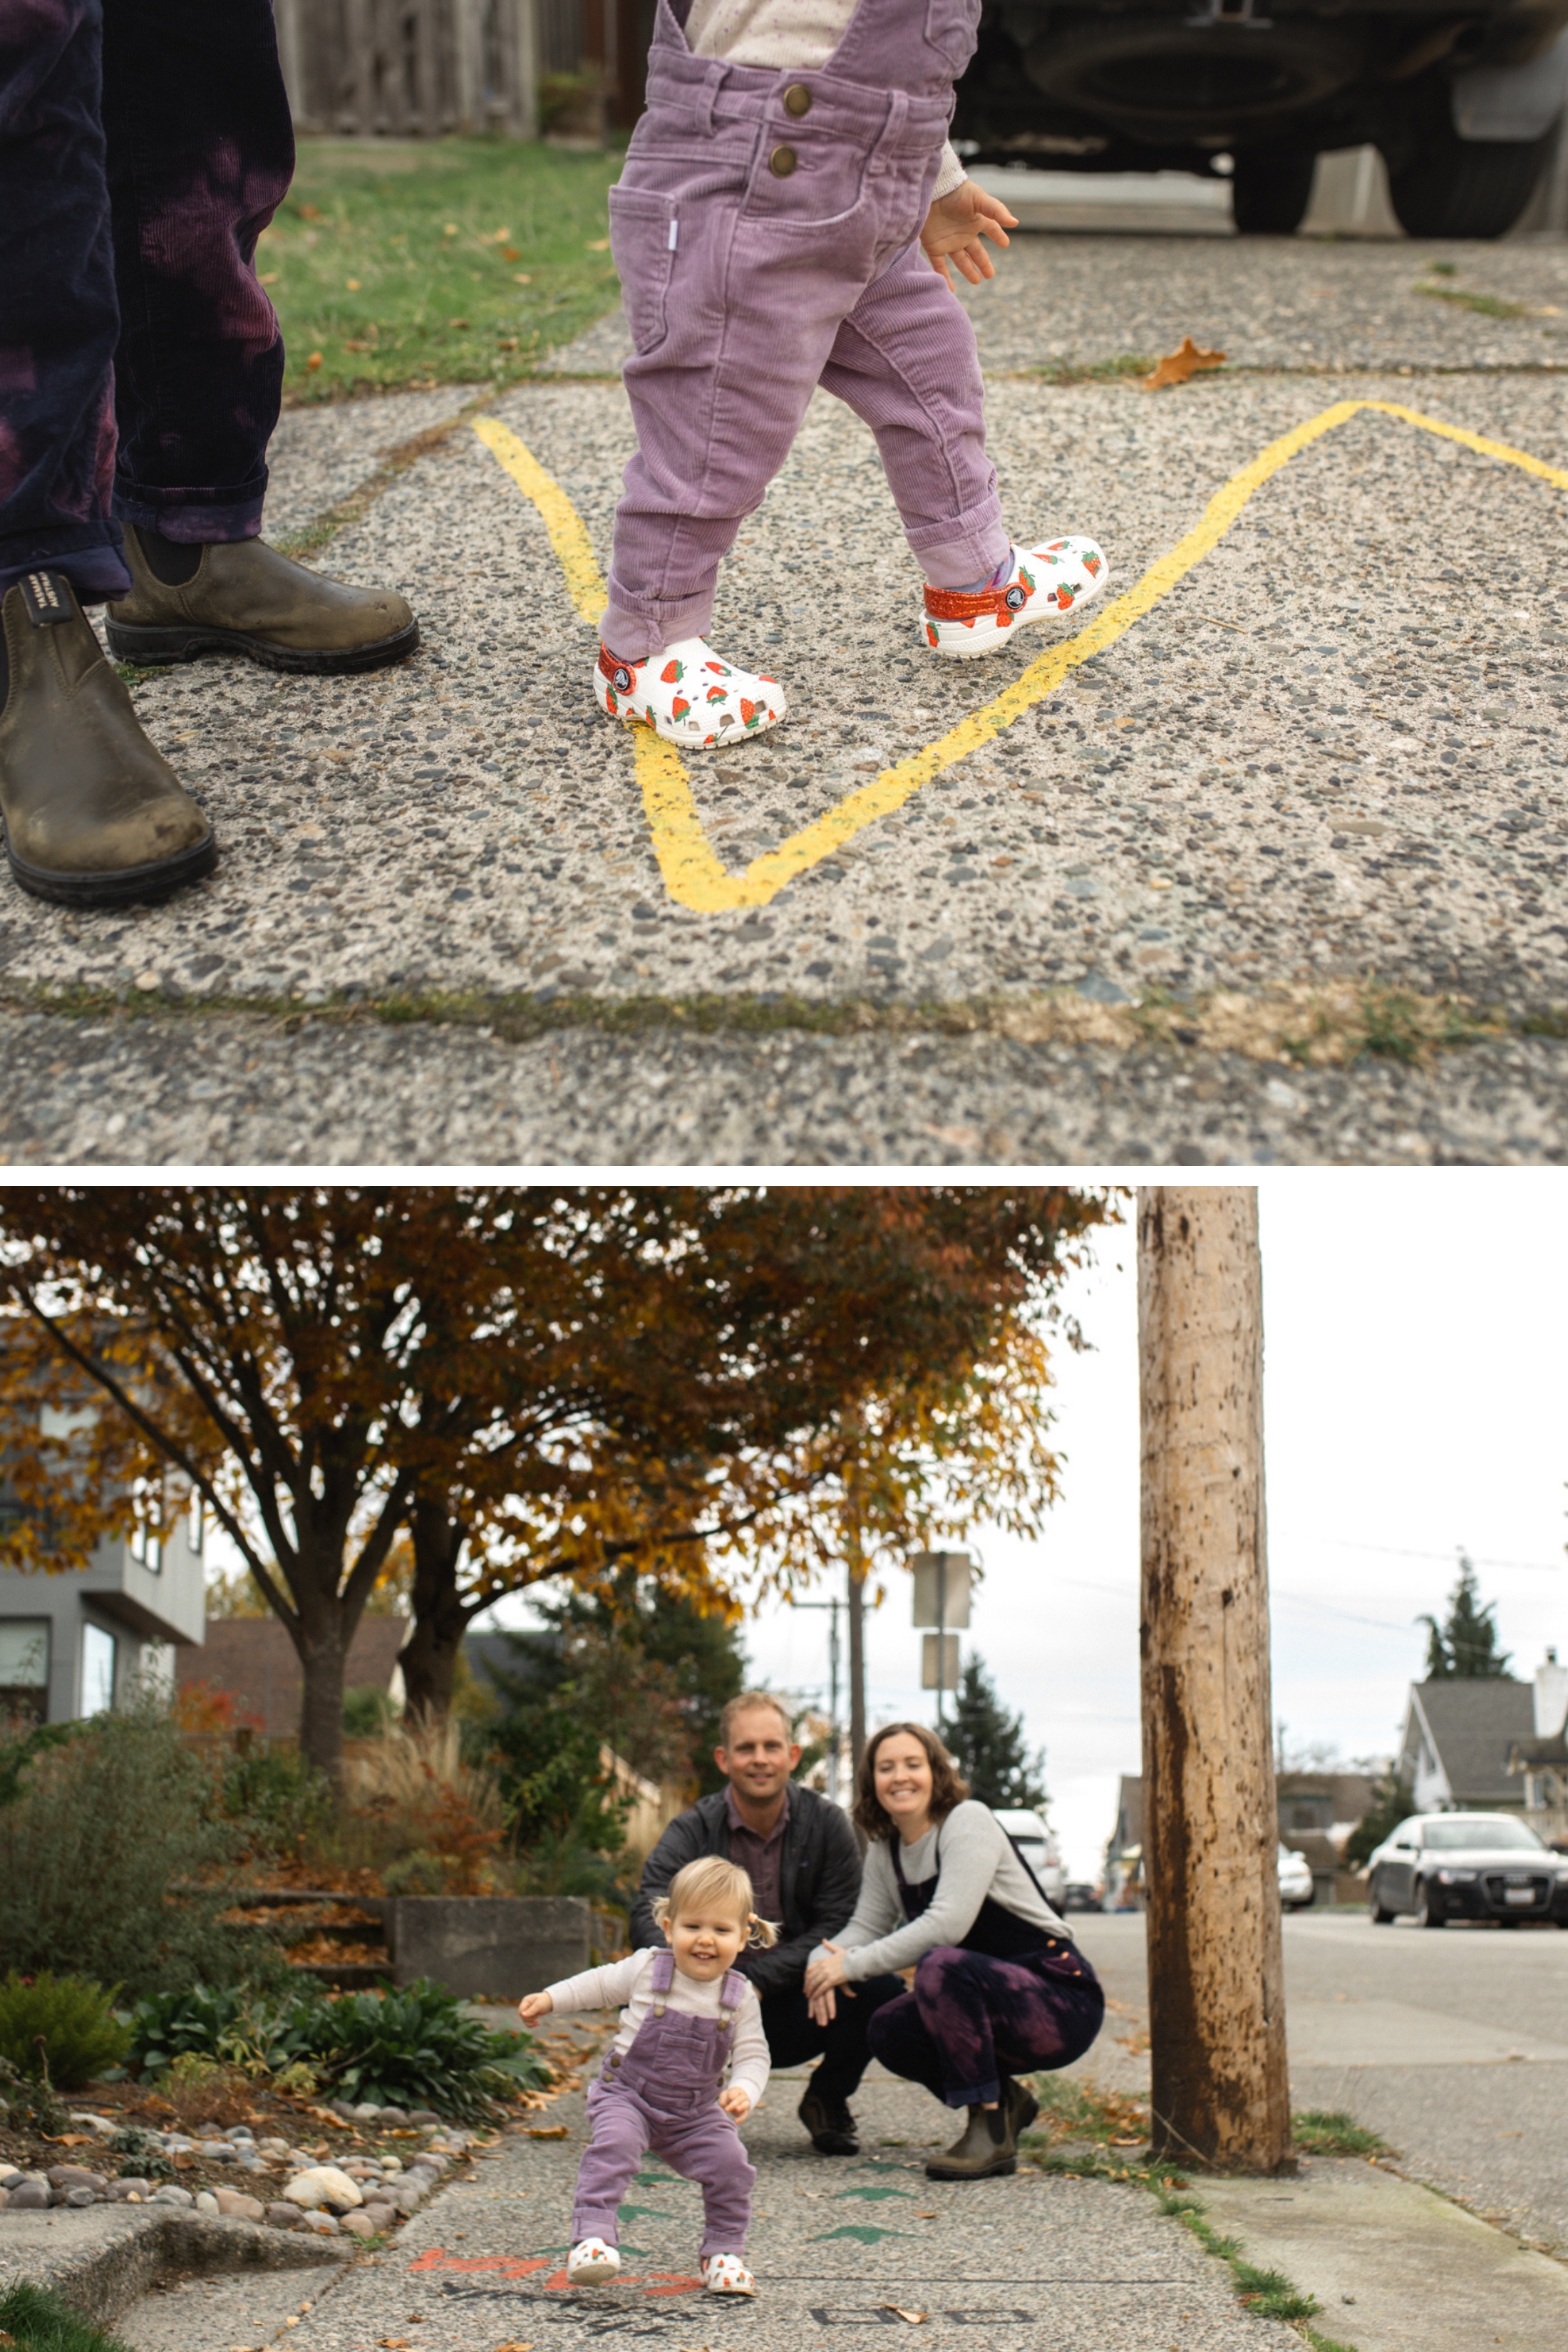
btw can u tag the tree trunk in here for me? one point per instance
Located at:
(429, 1656)
(1210, 1823)
(323, 1645)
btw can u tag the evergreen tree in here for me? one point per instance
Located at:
(1464, 1648)
(987, 1744)
(1393, 1801)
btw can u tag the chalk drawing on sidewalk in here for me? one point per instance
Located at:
(695, 875)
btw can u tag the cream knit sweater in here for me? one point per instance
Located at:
(779, 33)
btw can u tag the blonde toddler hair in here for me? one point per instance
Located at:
(713, 1880)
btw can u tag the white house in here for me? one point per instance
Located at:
(83, 1640)
(1459, 1733)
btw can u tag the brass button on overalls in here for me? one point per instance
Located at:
(797, 99)
(781, 162)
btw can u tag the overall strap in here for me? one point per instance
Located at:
(663, 1977)
(731, 1993)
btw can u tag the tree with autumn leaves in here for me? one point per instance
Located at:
(706, 1383)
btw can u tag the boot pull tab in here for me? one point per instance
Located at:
(46, 599)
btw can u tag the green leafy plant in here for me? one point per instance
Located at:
(112, 1861)
(420, 1873)
(274, 1797)
(34, 2319)
(62, 2028)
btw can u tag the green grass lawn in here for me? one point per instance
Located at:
(397, 265)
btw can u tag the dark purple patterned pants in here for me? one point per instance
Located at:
(971, 2019)
(144, 145)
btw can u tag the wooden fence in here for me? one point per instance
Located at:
(414, 68)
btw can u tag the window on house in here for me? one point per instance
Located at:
(147, 1533)
(23, 1669)
(98, 1657)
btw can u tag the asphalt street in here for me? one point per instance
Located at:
(1454, 2046)
(1260, 859)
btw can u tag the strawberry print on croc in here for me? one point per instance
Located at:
(1043, 583)
(727, 2275)
(688, 696)
(591, 2262)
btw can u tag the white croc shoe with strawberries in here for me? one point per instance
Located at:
(688, 696)
(591, 2262)
(727, 2275)
(1041, 583)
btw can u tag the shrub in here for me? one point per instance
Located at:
(368, 1711)
(61, 2029)
(110, 1861)
(30, 2103)
(413, 1794)
(35, 2320)
(415, 2048)
(275, 1798)
(199, 2090)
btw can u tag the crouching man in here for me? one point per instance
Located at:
(799, 1853)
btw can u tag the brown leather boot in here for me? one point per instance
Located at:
(94, 816)
(989, 2145)
(245, 598)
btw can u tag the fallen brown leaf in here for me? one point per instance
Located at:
(915, 2318)
(514, 2346)
(547, 2131)
(1177, 366)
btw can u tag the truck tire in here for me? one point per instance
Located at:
(1271, 190)
(1465, 187)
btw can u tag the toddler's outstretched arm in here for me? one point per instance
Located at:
(534, 2005)
(954, 228)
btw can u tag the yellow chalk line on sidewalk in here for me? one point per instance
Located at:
(693, 872)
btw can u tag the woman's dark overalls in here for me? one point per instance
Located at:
(1011, 1998)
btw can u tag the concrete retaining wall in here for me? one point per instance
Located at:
(101, 2260)
(483, 1946)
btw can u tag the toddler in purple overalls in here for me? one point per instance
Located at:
(768, 228)
(688, 2018)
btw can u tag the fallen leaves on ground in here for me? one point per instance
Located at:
(1178, 365)
(915, 2318)
(547, 2131)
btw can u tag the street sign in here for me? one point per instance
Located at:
(930, 1679)
(942, 1589)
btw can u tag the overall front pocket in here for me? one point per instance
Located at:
(643, 231)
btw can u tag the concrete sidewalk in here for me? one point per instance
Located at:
(1318, 779)
(839, 2248)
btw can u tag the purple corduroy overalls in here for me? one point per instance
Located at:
(766, 231)
(662, 2094)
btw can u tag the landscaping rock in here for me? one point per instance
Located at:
(82, 2195)
(119, 2190)
(170, 2195)
(238, 2206)
(408, 2195)
(74, 2176)
(359, 2225)
(423, 2116)
(379, 2211)
(28, 2197)
(324, 2224)
(205, 2202)
(285, 2217)
(397, 2115)
(323, 2184)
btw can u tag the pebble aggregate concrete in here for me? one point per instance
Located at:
(1332, 751)
(839, 2248)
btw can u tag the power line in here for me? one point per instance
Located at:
(1395, 1551)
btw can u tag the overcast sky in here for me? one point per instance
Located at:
(1414, 1349)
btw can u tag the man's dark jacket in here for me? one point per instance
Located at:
(819, 1880)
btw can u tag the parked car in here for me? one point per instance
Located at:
(1033, 1836)
(1443, 1866)
(1077, 1894)
(1296, 1888)
(1461, 96)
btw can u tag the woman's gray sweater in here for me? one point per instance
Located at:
(975, 1859)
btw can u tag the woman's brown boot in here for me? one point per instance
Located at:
(989, 2145)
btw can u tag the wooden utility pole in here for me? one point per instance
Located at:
(1210, 1825)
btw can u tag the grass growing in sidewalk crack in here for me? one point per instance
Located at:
(37, 2321)
(1329, 2131)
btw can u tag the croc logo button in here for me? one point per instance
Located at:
(623, 680)
(1014, 597)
